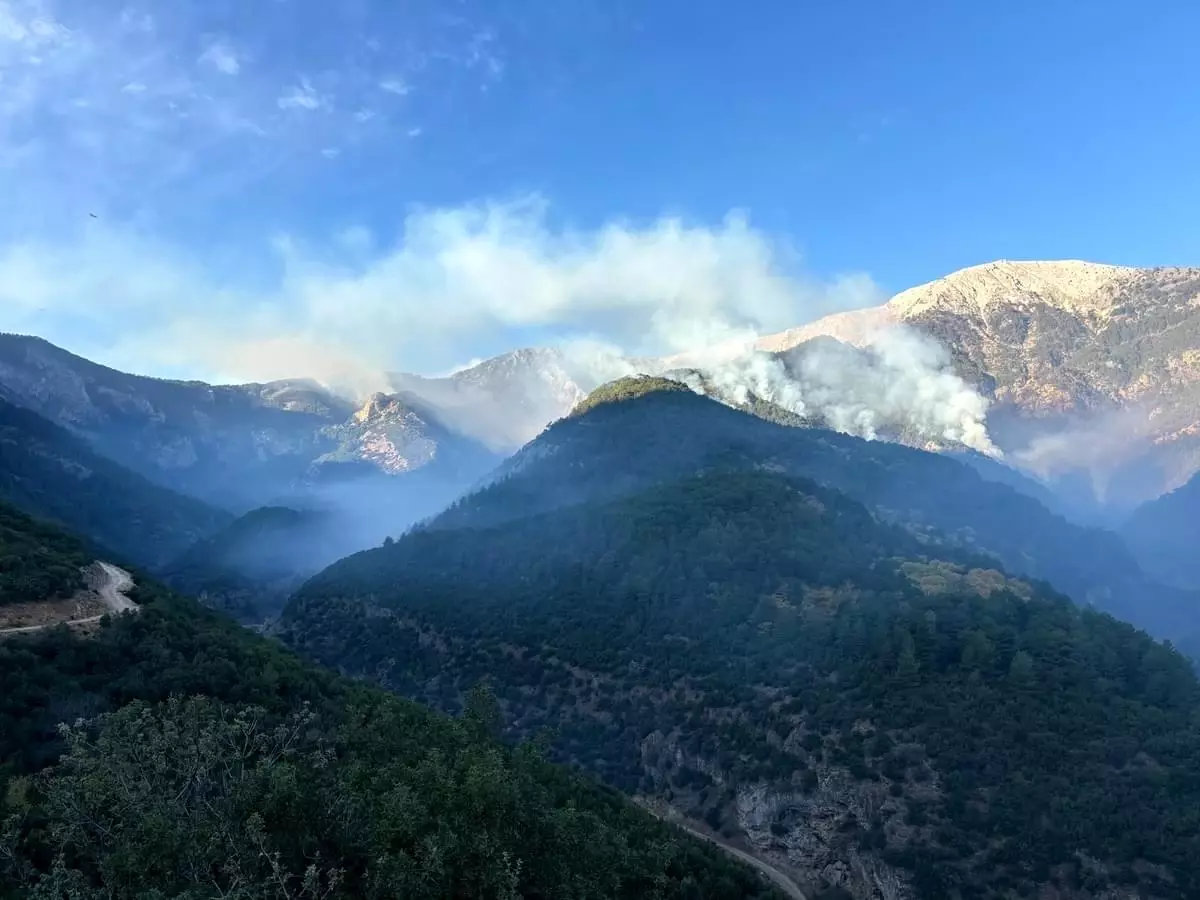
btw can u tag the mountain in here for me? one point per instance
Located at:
(875, 714)
(51, 473)
(1093, 369)
(171, 753)
(1162, 532)
(504, 401)
(240, 446)
(235, 445)
(630, 435)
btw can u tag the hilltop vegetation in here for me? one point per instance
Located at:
(766, 655)
(37, 560)
(627, 388)
(201, 760)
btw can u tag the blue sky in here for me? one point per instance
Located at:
(296, 186)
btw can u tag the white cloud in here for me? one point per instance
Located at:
(302, 96)
(27, 27)
(459, 282)
(221, 57)
(395, 85)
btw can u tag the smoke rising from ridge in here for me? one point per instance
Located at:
(475, 281)
(901, 386)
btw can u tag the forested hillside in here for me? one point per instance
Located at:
(765, 655)
(638, 434)
(197, 759)
(37, 560)
(50, 473)
(1163, 534)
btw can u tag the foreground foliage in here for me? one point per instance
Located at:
(199, 760)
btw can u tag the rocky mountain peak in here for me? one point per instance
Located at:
(1074, 285)
(378, 405)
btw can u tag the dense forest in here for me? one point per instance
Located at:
(643, 434)
(765, 654)
(37, 560)
(48, 472)
(174, 754)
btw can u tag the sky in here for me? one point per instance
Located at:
(250, 189)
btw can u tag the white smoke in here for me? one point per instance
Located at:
(473, 282)
(902, 385)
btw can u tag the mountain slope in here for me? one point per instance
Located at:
(50, 473)
(231, 445)
(251, 566)
(274, 778)
(618, 447)
(1163, 533)
(873, 713)
(245, 446)
(37, 560)
(1093, 369)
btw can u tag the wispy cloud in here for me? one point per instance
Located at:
(395, 85)
(303, 96)
(139, 109)
(221, 57)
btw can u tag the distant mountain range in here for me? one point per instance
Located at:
(797, 597)
(242, 446)
(1093, 372)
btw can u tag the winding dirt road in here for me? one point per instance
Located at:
(781, 881)
(790, 889)
(112, 586)
(108, 582)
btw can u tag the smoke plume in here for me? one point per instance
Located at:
(901, 386)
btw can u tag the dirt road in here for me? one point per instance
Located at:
(779, 879)
(112, 585)
(109, 583)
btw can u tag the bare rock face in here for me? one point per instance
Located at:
(386, 433)
(1094, 370)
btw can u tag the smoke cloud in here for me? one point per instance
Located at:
(901, 385)
(476, 281)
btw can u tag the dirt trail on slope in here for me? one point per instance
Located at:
(111, 583)
(776, 877)
(106, 583)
